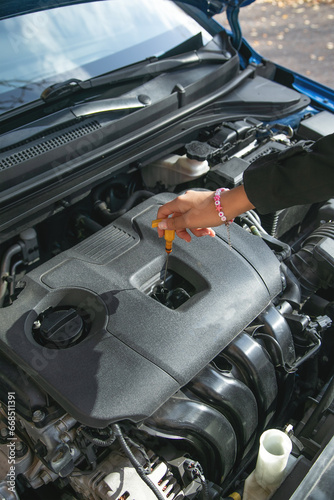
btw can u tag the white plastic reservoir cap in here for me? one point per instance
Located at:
(275, 448)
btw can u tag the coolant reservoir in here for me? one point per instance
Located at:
(173, 170)
(274, 451)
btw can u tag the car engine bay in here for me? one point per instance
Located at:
(121, 391)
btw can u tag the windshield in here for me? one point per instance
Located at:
(83, 41)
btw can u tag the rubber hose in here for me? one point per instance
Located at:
(111, 216)
(89, 223)
(304, 264)
(5, 268)
(103, 187)
(293, 292)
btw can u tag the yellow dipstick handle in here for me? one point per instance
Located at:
(156, 222)
(169, 235)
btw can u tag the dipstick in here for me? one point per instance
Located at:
(169, 235)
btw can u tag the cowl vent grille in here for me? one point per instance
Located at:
(48, 145)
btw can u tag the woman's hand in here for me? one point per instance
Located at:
(196, 211)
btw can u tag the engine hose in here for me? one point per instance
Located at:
(130, 202)
(5, 268)
(311, 273)
(292, 292)
(274, 225)
(311, 352)
(13, 275)
(89, 223)
(318, 306)
(256, 223)
(99, 190)
(324, 231)
(137, 465)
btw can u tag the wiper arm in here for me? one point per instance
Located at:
(149, 67)
(75, 112)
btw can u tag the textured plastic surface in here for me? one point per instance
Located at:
(230, 171)
(260, 96)
(317, 126)
(138, 352)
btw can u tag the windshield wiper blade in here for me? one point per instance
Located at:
(149, 67)
(79, 111)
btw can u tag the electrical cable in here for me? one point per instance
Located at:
(255, 222)
(98, 442)
(137, 465)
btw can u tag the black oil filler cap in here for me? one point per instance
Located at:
(59, 328)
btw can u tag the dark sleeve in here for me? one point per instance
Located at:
(300, 175)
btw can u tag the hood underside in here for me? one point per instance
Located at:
(213, 7)
(9, 8)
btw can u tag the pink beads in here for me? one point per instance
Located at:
(218, 207)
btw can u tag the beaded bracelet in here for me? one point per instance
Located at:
(221, 214)
(218, 206)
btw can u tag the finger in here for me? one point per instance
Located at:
(183, 234)
(161, 232)
(175, 223)
(169, 208)
(203, 231)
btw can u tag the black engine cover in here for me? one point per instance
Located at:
(137, 352)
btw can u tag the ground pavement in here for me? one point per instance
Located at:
(297, 34)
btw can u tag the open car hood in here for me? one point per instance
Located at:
(212, 7)
(232, 7)
(10, 8)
